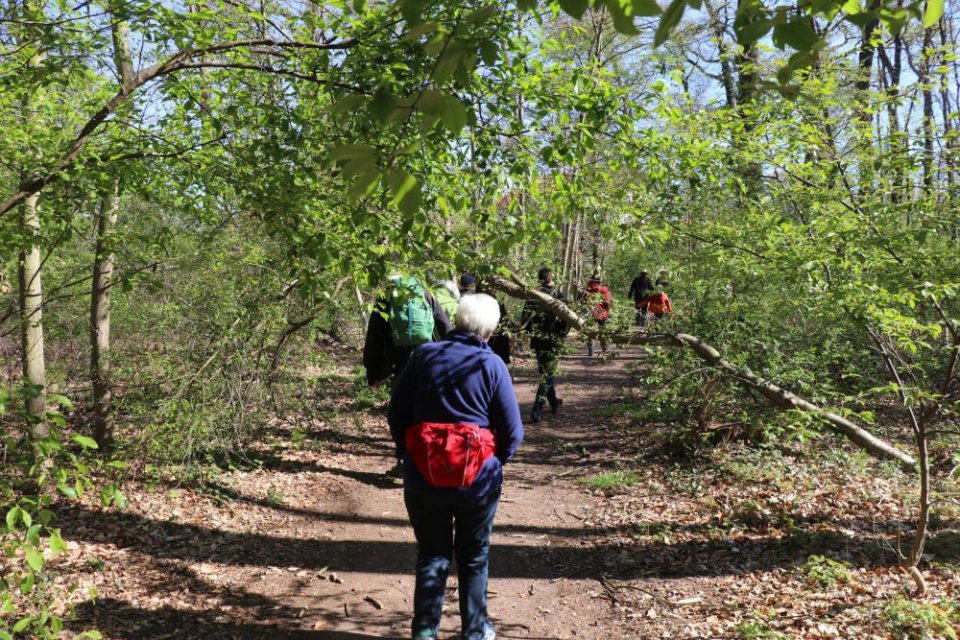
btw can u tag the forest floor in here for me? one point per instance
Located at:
(600, 535)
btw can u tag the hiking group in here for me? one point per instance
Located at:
(455, 420)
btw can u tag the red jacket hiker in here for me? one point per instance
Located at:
(598, 291)
(657, 304)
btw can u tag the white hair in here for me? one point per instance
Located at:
(478, 313)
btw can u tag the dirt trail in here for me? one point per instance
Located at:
(316, 544)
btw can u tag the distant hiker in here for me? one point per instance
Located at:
(546, 339)
(662, 281)
(599, 294)
(467, 284)
(500, 341)
(405, 317)
(640, 288)
(455, 421)
(447, 294)
(659, 304)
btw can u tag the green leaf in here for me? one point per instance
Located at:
(671, 18)
(12, 516)
(650, 8)
(64, 401)
(405, 189)
(422, 29)
(574, 8)
(412, 10)
(933, 13)
(454, 115)
(852, 7)
(750, 32)
(796, 33)
(351, 151)
(57, 544)
(449, 61)
(84, 441)
(27, 519)
(22, 624)
(34, 558)
(431, 101)
(382, 104)
(364, 184)
(347, 103)
(622, 22)
(489, 52)
(70, 492)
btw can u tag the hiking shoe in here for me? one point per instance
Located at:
(489, 633)
(396, 472)
(555, 406)
(426, 634)
(537, 414)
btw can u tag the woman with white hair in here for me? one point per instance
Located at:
(455, 420)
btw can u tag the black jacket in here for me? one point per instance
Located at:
(640, 288)
(546, 330)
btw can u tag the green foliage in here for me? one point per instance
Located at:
(752, 630)
(825, 572)
(611, 480)
(30, 601)
(912, 620)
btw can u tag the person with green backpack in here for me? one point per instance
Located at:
(405, 317)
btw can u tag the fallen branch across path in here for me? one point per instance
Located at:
(778, 396)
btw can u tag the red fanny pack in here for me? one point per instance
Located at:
(449, 455)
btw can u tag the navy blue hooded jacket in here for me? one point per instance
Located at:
(458, 380)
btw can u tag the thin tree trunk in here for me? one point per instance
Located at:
(103, 271)
(100, 319)
(929, 124)
(726, 72)
(31, 320)
(865, 66)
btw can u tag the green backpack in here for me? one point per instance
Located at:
(410, 315)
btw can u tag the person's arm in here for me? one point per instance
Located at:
(669, 304)
(633, 288)
(440, 318)
(400, 413)
(504, 416)
(373, 350)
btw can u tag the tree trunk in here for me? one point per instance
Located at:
(726, 72)
(777, 396)
(31, 320)
(103, 270)
(100, 318)
(865, 66)
(929, 124)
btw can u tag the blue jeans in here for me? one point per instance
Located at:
(447, 523)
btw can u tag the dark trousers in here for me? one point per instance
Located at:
(548, 361)
(448, 524)
(603, 342)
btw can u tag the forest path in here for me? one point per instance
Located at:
(316, 544)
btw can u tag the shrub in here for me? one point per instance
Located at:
(911, 620)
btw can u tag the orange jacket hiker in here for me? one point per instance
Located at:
(657, 304)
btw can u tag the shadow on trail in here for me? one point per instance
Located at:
(355, 518)
(122, 619)
(171, 540)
